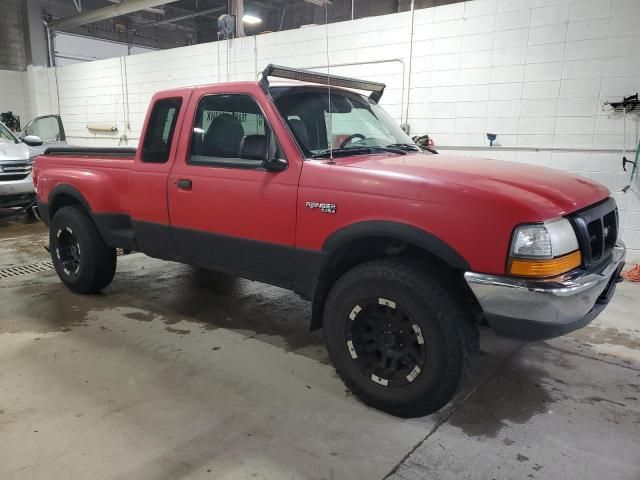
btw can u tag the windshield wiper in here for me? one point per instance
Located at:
(405, 146)
(357, 151)
(412, 147)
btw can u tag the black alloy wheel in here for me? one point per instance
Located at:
(385, 343)
(82, 260)
(398, 336)
(68, 251)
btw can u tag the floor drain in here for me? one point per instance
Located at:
(25, 269)
(39, 267)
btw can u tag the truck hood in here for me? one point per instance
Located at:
(14, 151)
(545, 191)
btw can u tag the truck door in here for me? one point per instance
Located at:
(148, 178)
(226, 210)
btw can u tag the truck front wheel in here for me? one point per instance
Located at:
(84, 263)
(397, 338)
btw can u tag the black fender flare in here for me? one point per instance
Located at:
(400, 231)
(46, 208)
(376, 228)
(116, 230)
(70, 191)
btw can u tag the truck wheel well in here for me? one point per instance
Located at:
(370, 248)
(62, 200)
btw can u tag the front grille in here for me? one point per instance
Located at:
(597, 231)
(13, 178)
(10, 171)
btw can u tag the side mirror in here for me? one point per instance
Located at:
(32, 140)
(256, 147)
(275, 165)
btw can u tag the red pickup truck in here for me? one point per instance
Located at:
(309, 185)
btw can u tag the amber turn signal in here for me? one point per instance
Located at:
(545, 268)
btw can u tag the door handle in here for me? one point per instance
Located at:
(184, 184)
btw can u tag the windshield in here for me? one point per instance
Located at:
(6, 136)
(354, 122)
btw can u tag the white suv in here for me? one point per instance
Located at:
(17, 154)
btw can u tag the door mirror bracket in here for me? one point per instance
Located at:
(275, 164)
(257, 147)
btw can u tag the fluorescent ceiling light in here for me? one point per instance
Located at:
(321, 3)
(251, 19)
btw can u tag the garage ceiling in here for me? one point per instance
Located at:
(186, 22)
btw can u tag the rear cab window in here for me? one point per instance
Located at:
(160, 130)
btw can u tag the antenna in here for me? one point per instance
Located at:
(326, 29)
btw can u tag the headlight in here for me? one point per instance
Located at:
(544, 250)
(531, 241)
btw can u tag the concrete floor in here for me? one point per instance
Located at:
(177, 373)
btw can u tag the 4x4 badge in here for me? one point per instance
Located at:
(324, 207)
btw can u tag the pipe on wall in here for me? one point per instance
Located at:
(529, 149)
(50, 52)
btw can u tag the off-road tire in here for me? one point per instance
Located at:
(97, 261)
(450, 336)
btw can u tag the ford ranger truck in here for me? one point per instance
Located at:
(307, 184)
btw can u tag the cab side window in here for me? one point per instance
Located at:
(159, 136)
(223, 124)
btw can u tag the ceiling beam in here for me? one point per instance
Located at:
(166, 21)
(111, 11)
(157, 11)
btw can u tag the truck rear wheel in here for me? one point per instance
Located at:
(84, 263)
(397, 338)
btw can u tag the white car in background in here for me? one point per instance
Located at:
(17, 154)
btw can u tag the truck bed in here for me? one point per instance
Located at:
(98, 178)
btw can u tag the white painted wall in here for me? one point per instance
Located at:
(40, 83)
(13, 95)
(536, 72)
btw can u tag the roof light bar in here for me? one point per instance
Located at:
(279, 71)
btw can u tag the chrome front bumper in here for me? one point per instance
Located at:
(538, 309)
